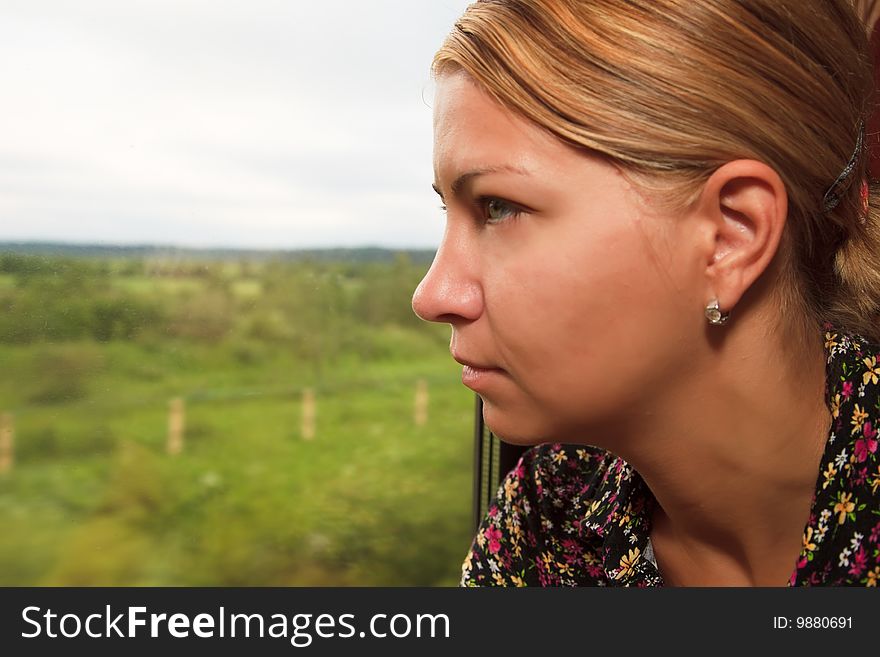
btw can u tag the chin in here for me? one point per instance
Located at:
(513, 429)
(527, 426)
(521, 441)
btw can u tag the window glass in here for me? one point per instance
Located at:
(212, 219)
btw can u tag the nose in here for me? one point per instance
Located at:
(450, 292)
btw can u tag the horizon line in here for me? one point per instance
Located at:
(183, 247)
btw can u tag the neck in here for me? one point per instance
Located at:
(732, 456)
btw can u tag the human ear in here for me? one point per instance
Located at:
(744, 204)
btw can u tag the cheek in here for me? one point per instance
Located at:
(585, 324)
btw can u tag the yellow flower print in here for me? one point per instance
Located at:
(835, 406)
(564, 568)
(830, 340)
(559, 457)
(510, 486)
(517, 580)
(873, 373)
(628, 563)
(873, 577)
(468, 562)
(809, 546)
(843, 507)
(499, 579)
(591, 559)
(875, 484)
(513, 529)
(829, 475)
(858, 418)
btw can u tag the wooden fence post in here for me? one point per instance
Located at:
(176, 414)
(421, 405)
(308, 414)
(7, 443)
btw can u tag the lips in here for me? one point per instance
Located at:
(480, 379)
(473, 364)
(476, 374)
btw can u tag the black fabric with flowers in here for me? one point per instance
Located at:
(573, 515)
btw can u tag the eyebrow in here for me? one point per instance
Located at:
(466, 178)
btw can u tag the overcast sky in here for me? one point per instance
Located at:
(249, 123)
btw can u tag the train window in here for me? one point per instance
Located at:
(212, 221)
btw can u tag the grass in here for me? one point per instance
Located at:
(371, 500)
(95, 499)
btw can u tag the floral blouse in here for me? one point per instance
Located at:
(575, 515)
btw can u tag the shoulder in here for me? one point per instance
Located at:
(851, 359)
(545, 524)
(853, 391)
(843, 532)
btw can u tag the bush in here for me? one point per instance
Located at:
(65, 371)
(120, 319)
(45, 443)
(206, 317)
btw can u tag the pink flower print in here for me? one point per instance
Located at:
(571, 558)
(847, 389)
(494, 536)
(875, 534)
(867, 444)
(595, 570)
(860, 562)
(569, 544)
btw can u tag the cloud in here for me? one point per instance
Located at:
(262, 123)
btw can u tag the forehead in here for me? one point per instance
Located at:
(472, 130)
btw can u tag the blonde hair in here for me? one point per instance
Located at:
(670, 90)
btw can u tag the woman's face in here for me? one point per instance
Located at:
(554, 275)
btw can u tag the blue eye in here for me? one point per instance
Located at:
(495, 210)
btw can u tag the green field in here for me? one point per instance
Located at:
(92, 352)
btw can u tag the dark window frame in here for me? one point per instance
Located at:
(493, 459)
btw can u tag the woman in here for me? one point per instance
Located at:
(661, 266)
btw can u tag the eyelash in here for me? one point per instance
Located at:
(483, 202)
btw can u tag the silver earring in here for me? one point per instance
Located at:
(714, 314)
